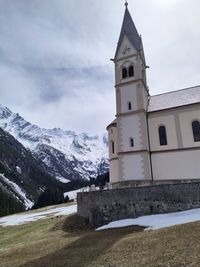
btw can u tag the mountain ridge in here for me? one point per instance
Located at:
(23, 177)
(69, 156)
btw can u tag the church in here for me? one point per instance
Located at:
(153, 138)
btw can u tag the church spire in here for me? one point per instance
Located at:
(129, 29)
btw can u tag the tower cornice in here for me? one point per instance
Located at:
(129, 56)
(131, 82)
(131, 113)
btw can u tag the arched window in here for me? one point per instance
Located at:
(113, 147)
(131, 142)
(124, 73)
(196, 130)
(129, 106)
(131, 71)
(162, 135)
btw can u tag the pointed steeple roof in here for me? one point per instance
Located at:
(129, 29)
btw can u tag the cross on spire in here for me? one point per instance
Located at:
(126, 3)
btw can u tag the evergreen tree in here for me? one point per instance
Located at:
(9, 205)
(49, 197)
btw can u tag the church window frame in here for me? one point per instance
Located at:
(124, 73)
(131, 71)
(162, 132)
(132, 142)
(113, 147)
(129, 105)
(196, 130)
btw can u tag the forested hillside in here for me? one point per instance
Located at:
(22, 176)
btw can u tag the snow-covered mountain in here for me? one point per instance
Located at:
(23, 177)
(68, 155)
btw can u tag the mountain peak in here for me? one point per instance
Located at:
(67, 153)
(5, 112)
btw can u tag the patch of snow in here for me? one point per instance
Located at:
(73, 194)
(158, 221)
(28, 203)
(18, 169)
(62, 179)
(32, 216)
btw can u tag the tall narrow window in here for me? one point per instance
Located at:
(162, 135)
(131, 142)
(196, 130)
(124, 73)
(129, 106)
(131, 71)
(113, 146)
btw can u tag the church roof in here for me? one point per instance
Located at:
(113, 123)
(174, 99)
(129, 29)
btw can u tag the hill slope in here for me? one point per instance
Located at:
(22, 176)
(67, 241)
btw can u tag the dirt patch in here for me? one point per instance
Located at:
(75, 223)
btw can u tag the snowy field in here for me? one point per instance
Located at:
(153, 222)
(73, 194)
(28, 203)
(32, 216)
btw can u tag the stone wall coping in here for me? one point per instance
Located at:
(142, 186)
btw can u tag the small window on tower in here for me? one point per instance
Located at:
(113, 147)
(131, 71)
(124, 73)
(131, 142)
(129, 106)
(162, 135)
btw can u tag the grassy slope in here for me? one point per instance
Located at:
(67, 242)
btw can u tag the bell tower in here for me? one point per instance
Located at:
(132, 94)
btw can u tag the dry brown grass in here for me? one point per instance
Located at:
(68, 242)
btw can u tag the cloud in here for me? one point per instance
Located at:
(55, 67)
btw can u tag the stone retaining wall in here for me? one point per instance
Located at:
(136, 183)
(100, 207)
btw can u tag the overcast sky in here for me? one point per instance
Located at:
(55, 67)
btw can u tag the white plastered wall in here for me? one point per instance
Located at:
(176, 165)
(130, 128)
(135, 167)
(114, 171)
(183, 162)
(178, 124)
(112, 136)
(128, 94)
(113, 157)
(186, 118)
(162, 120)
(126, 60)
(145, 99)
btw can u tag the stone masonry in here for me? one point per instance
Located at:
(101, 207)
